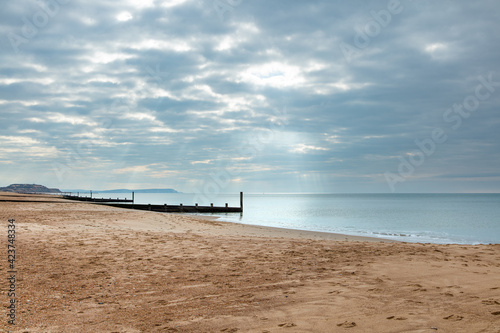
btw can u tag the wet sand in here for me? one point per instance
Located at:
(88, 268)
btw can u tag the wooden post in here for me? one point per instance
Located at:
(241, 201)
(90, 194)
(132, 197)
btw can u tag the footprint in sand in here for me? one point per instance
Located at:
(490, 302)
(347, 324)
(453, 317)
(287, 325)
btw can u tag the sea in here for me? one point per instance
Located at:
(419, 218)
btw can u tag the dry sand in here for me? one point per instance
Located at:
(88, 268)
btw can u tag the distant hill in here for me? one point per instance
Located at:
(155, 190)
(28, 188)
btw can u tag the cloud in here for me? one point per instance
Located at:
(101, 90)
(304, 149)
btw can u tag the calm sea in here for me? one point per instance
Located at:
(433, 218)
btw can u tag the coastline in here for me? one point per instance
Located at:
(85, 268)
(265, 231)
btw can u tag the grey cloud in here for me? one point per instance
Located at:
(178, 88)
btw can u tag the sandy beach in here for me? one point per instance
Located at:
(91, 268)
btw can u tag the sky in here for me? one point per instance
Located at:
(222, 96)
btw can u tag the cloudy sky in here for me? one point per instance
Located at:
(260, 96)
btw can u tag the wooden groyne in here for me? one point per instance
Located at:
(179, 208)
(77, 197)
(129, 204)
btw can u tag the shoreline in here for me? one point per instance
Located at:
(298, 233)
(338, 236)
(93, 268)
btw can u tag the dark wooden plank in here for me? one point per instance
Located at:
(129, 204)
